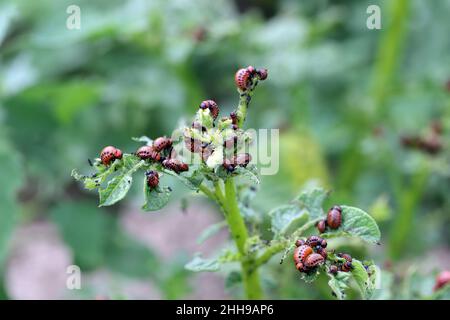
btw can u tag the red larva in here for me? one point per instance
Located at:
(242, 159)
(242, 78)
(299, 242)
(333, 269)
(175, 165)
(442, 279)
(347, 266)
(262, 73)
(228, 165)
(314, 241)
(148, 152)
(303, 252)
(321, 226)
(346, 256)
(212, 106)
(162, 143)
(234, 118)
(334, 217)
(313, 260)
(193, 145)
(323, 252)
(109, 154)
(152, 179)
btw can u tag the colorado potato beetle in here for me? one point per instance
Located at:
(346, 266)
(193, 145)
(299, 266)
(109, 154)
(162, 143)
(262, 73)
(234, 118)
(242, 159)
(333, 269)
(314, 241)
(152, 179)
(442, 279)
(175, 165)
(228, 165)
(323, 252)
(313, 260)
(303, 252)
(334, 217)
(346, 256)
(212, 106)
(147, 152)
(242, 78)
(321, 226)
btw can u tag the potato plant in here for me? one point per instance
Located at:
(210, 156)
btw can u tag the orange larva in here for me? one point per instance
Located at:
(109, 154)
(321, 226)
(148, 152)
(313, 260)
(303, 252)
(162, 143)
(212, 106)
(242, 78)
(152, 179)
(334, 217)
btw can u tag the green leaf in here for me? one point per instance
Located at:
(192, 178)
(119, 186)
(339, 283)
(210, 231)
(248, 175)
(312, 201)
(287, 218)
(357, 223)
(157, 198)
(198, 264)
(365, 283)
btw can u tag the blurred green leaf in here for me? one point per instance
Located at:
(85, 229)
(198, 264)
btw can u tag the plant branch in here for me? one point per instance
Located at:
(281, 245)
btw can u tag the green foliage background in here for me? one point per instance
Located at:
(341, 94)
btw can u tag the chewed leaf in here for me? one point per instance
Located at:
(366, 283)
(198, 264)
(287, 218)
(157, 198)
(338, 284)
(312, 200)
(118, 187)
(357, 223)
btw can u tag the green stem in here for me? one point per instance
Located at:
(244, 101)
(250, 275)
(279, 246)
